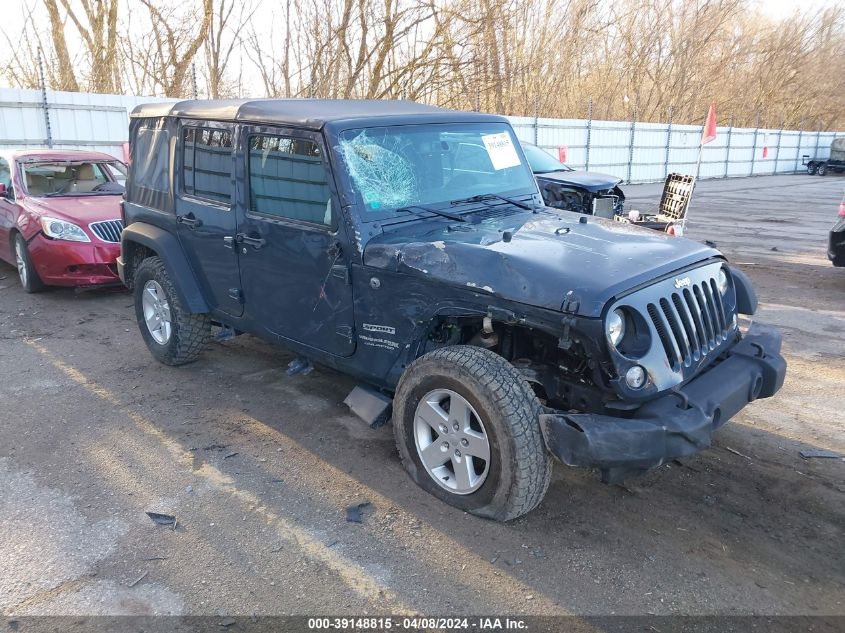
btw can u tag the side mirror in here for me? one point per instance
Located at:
(4, 193)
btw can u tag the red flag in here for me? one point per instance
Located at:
(709, 132)
(561, 153)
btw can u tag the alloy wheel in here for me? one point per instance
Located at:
(156, 312)
(451, 441)
(20, 261)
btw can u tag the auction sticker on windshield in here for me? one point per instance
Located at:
(501, 150)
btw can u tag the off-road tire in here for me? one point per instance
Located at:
(33, 282)
(520, 467)
(821, 170)
(811, 169)
(190, 332)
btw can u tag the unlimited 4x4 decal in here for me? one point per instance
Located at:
(372, 341)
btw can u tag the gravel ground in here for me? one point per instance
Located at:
(259, 467)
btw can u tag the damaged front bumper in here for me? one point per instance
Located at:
(676, 424)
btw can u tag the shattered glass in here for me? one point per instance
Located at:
(432, 164)
(383, 177)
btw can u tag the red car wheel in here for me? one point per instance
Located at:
(30, 280)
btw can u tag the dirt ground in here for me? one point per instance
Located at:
(259, 468)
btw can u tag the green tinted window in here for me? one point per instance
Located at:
(287, 179)
(207, 163)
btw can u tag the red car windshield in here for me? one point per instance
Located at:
(70, 178)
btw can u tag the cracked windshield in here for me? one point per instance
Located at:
(391, 168)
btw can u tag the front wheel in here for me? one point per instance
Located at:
(811, 168)
(172, 334)
(821, 170)
(30, 281)
(467, 428)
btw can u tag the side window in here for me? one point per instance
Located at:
(6, 177)
(207, 163)
(150, 159)
(287, 179)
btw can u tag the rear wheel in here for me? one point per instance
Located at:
(172, 334)
(30, 280)
(467, 428)
(821, 170)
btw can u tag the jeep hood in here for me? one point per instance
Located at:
(546, 257)
(589, 180)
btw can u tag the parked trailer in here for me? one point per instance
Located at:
(836, 162)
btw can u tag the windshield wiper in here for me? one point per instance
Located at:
(494, 196)
(445, 214)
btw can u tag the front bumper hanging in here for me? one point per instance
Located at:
(676, 424)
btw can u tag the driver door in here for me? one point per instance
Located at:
(295, 274)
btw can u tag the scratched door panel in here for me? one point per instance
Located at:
(294, 268)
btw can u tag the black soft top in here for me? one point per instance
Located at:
(311, 113)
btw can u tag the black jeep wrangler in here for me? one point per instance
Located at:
(408, 246)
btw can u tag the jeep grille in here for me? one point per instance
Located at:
(691, 322)
(108, 231)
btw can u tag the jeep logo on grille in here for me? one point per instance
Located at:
(682, 282)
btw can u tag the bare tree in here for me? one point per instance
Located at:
(167, 45)
(97, 26)
(224, 34)
(21, 69)
(66, 77)
(546, 57)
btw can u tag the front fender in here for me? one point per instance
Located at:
(746, 297)
(167, 247)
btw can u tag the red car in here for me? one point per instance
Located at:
(60, 219)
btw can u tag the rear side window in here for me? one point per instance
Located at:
(207, 163)
(287, 179)
(151, 158)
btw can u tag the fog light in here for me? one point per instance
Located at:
(635, 377)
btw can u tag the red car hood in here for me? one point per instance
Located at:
(76, 209)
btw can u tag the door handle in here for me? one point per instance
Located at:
(255, 242)
(189, 220)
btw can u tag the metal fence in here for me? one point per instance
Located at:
(636, 152)
(646, 152)
(66, 120)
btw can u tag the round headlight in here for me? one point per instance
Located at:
(615, 327)
(635, 377)
(722, 281)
